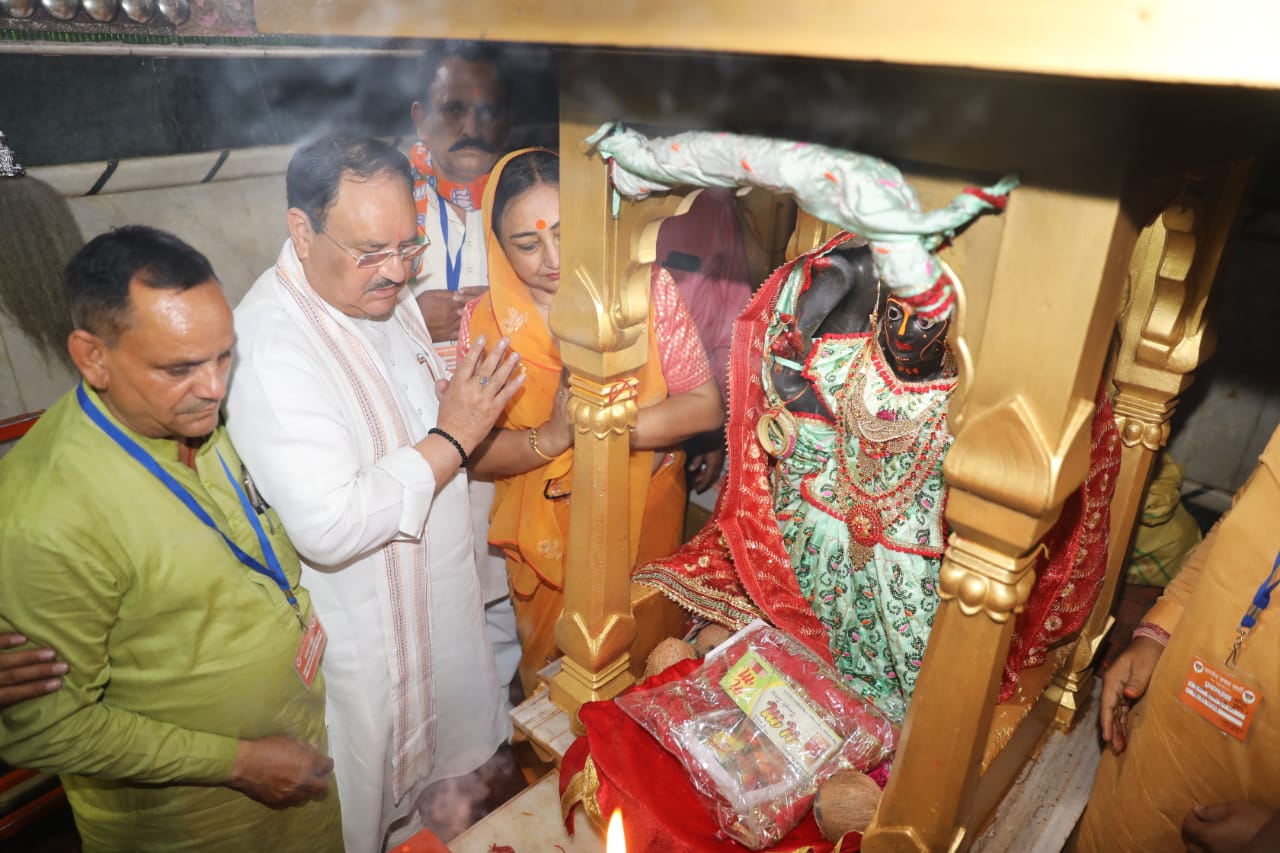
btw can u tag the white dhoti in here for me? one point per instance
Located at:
(358, 674)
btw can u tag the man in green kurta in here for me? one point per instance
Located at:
(191, 717)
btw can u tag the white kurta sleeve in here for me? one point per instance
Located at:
(288, 417)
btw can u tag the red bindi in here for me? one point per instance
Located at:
(541, 224)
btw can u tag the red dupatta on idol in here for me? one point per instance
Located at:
(737, 568)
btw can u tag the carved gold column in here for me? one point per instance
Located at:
(1164, 337)
(1022, 445)
(599, 315)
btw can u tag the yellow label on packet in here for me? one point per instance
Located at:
(1222, 699)
(789, 722)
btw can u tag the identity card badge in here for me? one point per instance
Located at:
(1221, 695)
(310, 650)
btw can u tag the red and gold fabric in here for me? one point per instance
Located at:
(741, 566)
(1070, 578)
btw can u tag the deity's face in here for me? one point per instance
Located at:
(530, 238)
(370, 215)
(913, 345)
(464, 121)
(165, 373)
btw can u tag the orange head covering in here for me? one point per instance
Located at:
(524, 521)
(509, 310)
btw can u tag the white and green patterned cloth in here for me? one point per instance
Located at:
(878, 603)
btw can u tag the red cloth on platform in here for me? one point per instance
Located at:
(661, 810)
(424, 842)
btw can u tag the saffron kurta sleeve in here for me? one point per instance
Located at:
(1168, 608)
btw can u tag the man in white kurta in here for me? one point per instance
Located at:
(461, 122)
(358, 447)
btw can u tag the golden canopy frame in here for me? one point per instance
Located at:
(1133, 165)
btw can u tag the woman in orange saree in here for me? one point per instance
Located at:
(529, 455)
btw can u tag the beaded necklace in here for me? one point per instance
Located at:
(870, 501)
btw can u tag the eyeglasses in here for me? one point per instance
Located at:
(411, 256)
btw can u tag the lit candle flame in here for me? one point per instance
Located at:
(615, 840)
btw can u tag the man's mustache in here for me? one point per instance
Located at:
(379, 282)
(473, 142)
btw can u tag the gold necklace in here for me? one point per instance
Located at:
(884, 424)
(868, 510)
(777, 428)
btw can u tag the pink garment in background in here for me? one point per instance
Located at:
(720, 287)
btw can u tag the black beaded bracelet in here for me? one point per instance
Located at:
(451, 440)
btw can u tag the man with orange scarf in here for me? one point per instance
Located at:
(530, 454)
(461, 124)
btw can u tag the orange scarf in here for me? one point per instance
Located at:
(530, 527)
(462, 196)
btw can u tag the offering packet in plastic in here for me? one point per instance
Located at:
(758, 727)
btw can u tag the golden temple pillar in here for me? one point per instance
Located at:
(1022, 445)
(600, 316)
(1164, 336)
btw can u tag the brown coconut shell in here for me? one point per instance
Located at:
(667, 653)
(708, 638)
(845, 803)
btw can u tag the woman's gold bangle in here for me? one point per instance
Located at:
(533, 444)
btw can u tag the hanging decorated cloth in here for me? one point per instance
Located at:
(859, 193)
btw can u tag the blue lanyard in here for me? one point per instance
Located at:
(272, 570)
(1261, 600)
(452, 263)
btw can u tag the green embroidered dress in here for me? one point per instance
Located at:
(859, 502)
